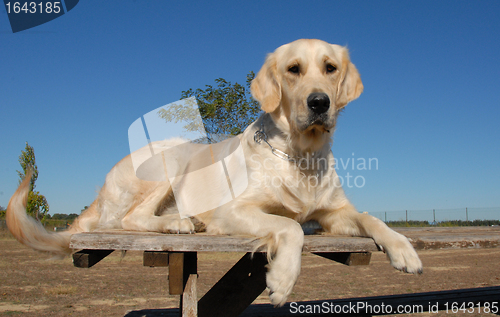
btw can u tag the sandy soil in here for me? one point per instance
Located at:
(31, 284)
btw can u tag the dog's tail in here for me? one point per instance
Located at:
(29, 231)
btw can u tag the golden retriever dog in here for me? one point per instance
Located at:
(301, 87)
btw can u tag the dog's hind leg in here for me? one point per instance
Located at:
(143, 216)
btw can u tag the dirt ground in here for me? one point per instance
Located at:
(31, 284)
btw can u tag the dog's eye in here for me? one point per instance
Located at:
(294, 69)
(330, 68)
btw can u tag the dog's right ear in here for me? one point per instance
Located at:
(265, 86)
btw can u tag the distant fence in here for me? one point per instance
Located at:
(439, 215)
(429, 215)
(56, 225)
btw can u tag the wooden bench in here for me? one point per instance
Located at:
(241, 285)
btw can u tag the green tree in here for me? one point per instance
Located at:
(226, 109)
(2, 212)
(37, 205)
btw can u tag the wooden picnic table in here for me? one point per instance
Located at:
(241, 285)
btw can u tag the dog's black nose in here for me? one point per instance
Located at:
(318, 102)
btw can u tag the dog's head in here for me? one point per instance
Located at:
(303, 85)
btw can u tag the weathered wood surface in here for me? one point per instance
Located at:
(421, 238)
(181, 266)
(189, 300)
(127, 240)
(155, 258)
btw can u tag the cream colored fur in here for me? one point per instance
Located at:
(280, 196)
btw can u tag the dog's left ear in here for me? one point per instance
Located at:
(265, 86)
(350, 85)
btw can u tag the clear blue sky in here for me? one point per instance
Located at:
(429, 113)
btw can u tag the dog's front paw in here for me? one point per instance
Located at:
(179, 226)
(402, 254)
(280, 280)
(280, 287)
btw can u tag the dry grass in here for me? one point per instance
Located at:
(5, 235)
(61, 290)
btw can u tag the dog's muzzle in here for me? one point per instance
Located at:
(318, 104)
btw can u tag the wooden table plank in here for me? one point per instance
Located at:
(428, 238)
(125, 240)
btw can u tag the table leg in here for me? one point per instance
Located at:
(189, 298)
(89, 258)
(347, 258)
(237, 289)
(182, 276)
